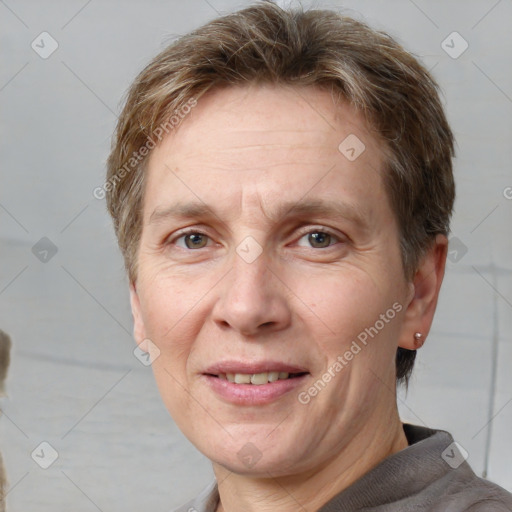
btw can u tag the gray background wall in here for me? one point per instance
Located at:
(74, 381)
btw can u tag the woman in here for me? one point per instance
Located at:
(281, 187)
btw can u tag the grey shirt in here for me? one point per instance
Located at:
(429, 475)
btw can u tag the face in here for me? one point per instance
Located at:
(270, 256)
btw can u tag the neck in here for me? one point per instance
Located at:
(310, 490)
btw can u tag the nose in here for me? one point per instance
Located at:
(253, 299)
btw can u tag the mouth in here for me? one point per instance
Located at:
(257, 379)
(254, 383)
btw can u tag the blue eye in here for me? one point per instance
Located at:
(318, 240)
(313, 239)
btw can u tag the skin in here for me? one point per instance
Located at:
(250, 153)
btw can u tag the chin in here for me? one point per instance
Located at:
(255, 455)
(254, 464)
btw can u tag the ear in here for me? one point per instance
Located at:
(139, 329)
(425, 288)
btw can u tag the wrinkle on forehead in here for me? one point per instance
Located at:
(239, 125)
(246, 150)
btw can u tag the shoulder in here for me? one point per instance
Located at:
(489, 498)
(438, 478)
(478, 495)
(461, 490)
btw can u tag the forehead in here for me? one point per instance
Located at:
(283, 139)
(236, 117)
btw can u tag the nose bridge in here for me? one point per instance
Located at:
(252, 297)
(250, 260)
(250, 280)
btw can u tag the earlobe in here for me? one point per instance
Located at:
(139, 330)
(425, 285)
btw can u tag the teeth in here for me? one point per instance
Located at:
(273, 376)
(259, 378)
(241, 378)
(255, 378)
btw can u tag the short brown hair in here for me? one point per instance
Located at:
(267, 44)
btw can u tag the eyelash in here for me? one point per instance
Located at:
(309, 231)
(185, 233)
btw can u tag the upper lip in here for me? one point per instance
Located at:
(251, 367)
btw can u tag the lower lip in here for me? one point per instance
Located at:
(252, 394)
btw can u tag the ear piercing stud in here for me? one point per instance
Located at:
(418, 339)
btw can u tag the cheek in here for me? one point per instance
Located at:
(167, 299)
(171, 310)
(350, 305)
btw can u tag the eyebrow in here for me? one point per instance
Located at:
(286, 210)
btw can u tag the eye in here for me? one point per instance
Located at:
(192, 240)
(317, 240)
